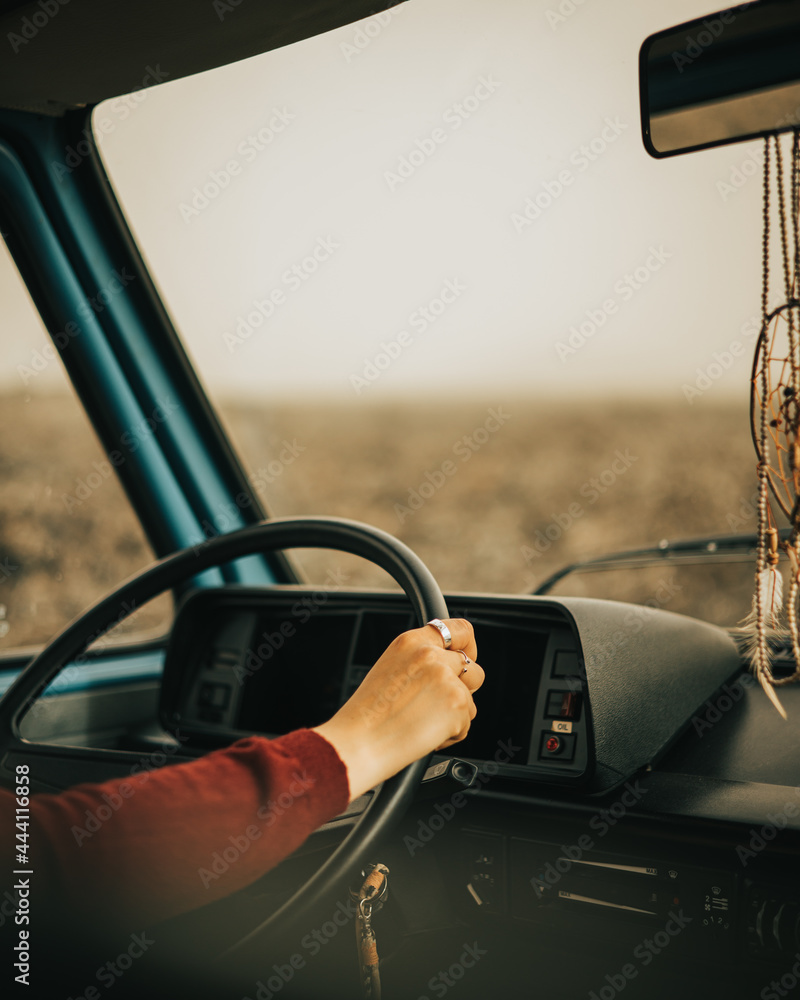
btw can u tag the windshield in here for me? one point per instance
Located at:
(432, 280)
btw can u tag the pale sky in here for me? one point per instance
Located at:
(369, 188)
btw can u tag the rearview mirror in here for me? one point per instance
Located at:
(723, 78)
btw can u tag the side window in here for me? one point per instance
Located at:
(67, 532)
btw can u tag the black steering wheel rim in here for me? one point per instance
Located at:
(388, 806)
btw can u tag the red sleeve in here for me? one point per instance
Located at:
(163, 842)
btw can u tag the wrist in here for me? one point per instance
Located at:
(361, 758)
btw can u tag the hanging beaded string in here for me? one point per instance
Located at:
(764, 599)
(786, 403)
(763, 459)
(792, 392)
(796, 210)
(783, 400)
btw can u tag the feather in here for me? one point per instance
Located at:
(770, 692)
(770, 583)
(770, 590)
(769, 595)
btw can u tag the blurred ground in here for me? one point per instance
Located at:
(493, 495)
(63, 543)
(555, 483)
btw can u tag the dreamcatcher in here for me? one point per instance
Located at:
(775, 423)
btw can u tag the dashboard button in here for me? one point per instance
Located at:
(565, 663)
(563, 704)
(557, 746)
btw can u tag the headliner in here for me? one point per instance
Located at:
(62, 54)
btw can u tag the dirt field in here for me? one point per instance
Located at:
(494, 495)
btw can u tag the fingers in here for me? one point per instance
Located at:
(471, 673)
(462, 633)
(462, 645)
(428, 643)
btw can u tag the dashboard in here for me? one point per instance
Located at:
(586, 692)
(669, 823)
(622, 765)
(275, 665)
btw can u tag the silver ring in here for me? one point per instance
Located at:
(466, 658)
(463, 671)
(443, 630)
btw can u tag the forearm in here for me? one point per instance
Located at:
(168, 841)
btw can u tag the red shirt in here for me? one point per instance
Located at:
(163, 842)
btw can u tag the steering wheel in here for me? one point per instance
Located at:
(393, 798)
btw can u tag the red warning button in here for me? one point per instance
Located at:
(557, 746)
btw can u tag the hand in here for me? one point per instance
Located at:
(416, 699)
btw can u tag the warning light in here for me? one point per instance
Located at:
(553, 744)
